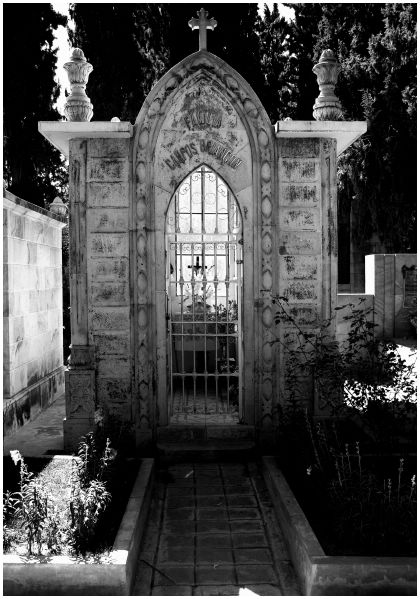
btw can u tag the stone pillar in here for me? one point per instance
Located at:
(307, 206)
(101, 369)
(80, 377)
(304, 202)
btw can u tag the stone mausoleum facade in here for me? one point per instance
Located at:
(183, 227)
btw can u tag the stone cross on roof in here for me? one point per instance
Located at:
(202, 24)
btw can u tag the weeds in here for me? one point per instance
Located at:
(371, 506)
(29, 506)
(89, 494)
(31, 510)
(363, 378)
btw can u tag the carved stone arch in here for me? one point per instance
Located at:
(167, 146)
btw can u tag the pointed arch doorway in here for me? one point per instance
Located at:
(204, 282)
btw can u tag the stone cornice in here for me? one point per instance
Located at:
(59, 133)
(345, 132)
(23, 207)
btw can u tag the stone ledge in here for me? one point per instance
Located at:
(345, 132)
(62, 575)
(23, 207)
(321, 574)
(59, 133)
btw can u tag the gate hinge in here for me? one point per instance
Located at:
(239, 261)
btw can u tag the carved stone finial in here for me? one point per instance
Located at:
(202, 24)
(327, 106)
(78, 106)
(58, 207)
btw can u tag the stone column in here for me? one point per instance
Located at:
(307, 246)
(101, 369)
(304, 198)
(80, 378)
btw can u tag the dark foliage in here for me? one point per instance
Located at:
(33, 169)
(125, 45)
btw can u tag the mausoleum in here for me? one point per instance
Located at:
(183, 227)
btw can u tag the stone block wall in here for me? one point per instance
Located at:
(101, 369)
(306, 236)
(392, 279)
(33, 371)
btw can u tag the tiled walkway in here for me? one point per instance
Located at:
(212, 532)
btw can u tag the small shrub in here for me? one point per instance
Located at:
(87, 505)
(369, 508)
(364, 378)
(28, 507)
(89, 494)
(10, 506)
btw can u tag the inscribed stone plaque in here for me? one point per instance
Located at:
(410, 287)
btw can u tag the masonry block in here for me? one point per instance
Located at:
(108, 169)
(108, 194)
(107, 244)
(107, 220)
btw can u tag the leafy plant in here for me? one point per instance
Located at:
(372, 508)
(89, 494)
(10, 506)
(29, 506)
(363, 377)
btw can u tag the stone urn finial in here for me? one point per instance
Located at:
(78, 106)
(327, 106)
(58, 207)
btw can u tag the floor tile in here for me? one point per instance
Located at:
(212, 526)
(175, 540)
(249, 540)
(250, 574)
(209, 490)
(216, 590)
(239, 490)
(242, 513)
(246, 526)
(185, 514)
(213, 536)
(179, 526)
(214, 513)
(214, 555)
(170, 575)
(215, 575)
(213, 540)
(176, 502)
(176, 554)
(211, 501)
(265, 590)
(173, 591)
(241, 501)
(180, 492)
(253, 555)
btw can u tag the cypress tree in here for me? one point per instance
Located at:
(33, 169)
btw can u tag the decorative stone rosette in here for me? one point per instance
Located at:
(327, 106)
(78, 106)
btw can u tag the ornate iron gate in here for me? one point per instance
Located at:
(204, 274)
